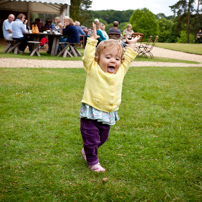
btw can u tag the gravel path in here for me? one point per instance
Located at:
(159, 52)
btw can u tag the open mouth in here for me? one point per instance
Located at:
(111, 69)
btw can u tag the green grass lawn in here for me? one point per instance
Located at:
(46, 56)
(184, 47)
(153, 153)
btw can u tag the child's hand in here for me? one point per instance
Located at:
(132, 42)
(94, 33)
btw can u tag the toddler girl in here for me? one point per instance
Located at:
(105, 68)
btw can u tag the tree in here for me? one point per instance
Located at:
(160, 15)
(144, 21)
(184, 8)
(78, 10)
(113, 15)
(174, 34)
(164, 29)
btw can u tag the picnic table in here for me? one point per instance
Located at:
(52, 37)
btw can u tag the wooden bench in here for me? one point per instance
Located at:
(69, 49)
(73, 48)
(12, 46)
(64, 52)
(134, 34)
(35, 47)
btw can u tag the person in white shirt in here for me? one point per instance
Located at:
(104, 32)
(18, 30)
(7, 27)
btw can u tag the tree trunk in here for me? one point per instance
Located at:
(188, 20)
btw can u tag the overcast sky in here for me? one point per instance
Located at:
(155, 6)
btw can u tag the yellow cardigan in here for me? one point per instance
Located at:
(102, 89)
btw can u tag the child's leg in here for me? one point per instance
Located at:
(94, 134)
(104, 133)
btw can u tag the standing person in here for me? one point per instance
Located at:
(115, 29)
(104, 32)
(105, 70)
(7, 27)
(198, 37)
(18, 29)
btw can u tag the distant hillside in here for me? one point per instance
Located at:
(111, 15)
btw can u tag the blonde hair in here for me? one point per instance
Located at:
(98, 25)
(58, 19)
(110, 43)
(70, 21)
(129, 25)
(20, 16)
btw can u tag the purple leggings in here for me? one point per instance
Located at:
(94, 135)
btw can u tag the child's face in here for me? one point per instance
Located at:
(110, 60)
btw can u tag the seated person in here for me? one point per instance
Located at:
(115, 29)
(100, 33)
(48, 24)
(38, 23)
(18, 29)
(104, 32)
(128, 31)
(7, 27)
(81, 32)
(57, 26)
(85, 29)
(70, 32)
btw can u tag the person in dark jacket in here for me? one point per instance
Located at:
(198, 37)
(70, 31)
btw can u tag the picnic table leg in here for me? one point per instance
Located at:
(15, 47)
(66, 52)
(35, 50)
(7, 47)
(78, 53)
(62, 51)
(55, 45)
(74, 50)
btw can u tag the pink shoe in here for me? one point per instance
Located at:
(97, 168)
(83, 154)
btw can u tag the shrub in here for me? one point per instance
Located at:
(183, 37)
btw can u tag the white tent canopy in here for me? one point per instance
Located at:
(60, 7)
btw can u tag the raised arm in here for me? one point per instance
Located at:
(89, 52)
(94, 33)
